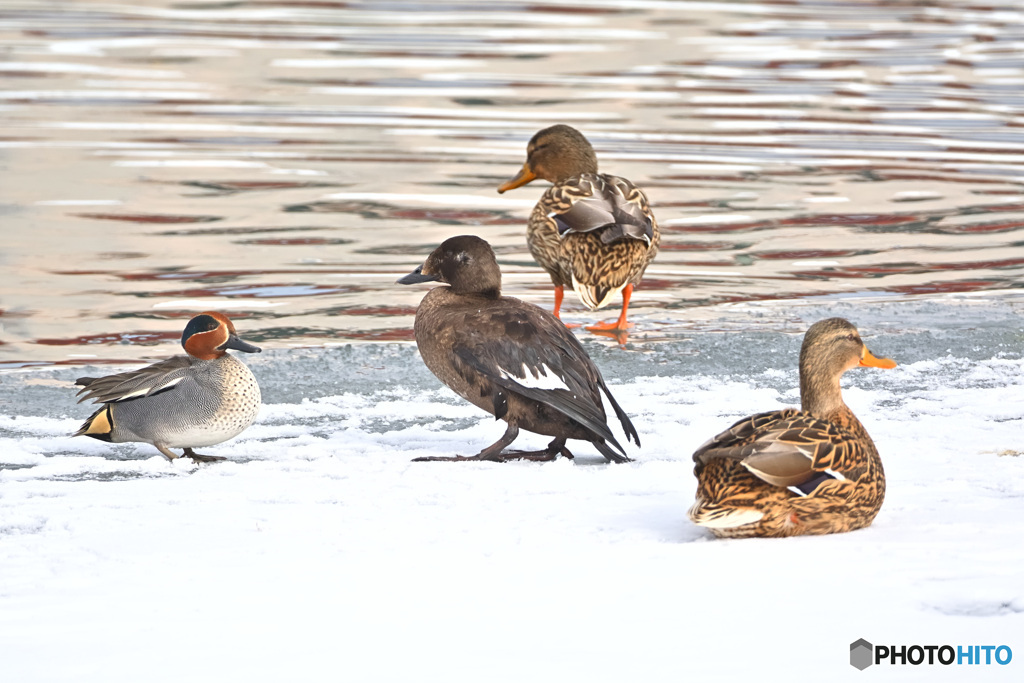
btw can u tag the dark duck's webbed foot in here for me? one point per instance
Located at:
(493, 453)
(554, 449)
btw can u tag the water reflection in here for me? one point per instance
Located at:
(287, 161)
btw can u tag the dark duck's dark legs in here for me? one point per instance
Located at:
(494, 452)
(554, 449)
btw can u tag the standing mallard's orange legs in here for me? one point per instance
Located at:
(559, 295)
(619, 325)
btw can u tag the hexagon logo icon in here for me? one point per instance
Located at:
(861, 654)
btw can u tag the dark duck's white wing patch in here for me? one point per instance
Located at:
(599, 201)
(125, 386)
(538, 359)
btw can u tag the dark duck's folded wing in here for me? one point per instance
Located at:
(536, 358)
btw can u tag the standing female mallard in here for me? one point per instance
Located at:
(792, 472)
(592, 232)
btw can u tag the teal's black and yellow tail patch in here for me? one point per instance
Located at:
(99, 425)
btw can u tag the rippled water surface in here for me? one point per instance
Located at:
(286, 161)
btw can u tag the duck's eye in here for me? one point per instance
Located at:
(852, 337)
(463, 257)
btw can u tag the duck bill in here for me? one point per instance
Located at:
(868, 360)
(418, 276)
(237, 344)
(524, 176)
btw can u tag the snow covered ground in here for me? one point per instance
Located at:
(320, 552)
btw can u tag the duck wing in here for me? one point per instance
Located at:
(591, 201)
(537, 358)
(124, 386)
(784, 448)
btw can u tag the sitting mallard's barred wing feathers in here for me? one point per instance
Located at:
(593, 201)
(787, 448)
(739, 433)
(148, 381)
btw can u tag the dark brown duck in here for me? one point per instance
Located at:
(509, 358)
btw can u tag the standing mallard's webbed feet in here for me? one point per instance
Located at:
(619, 325)
(618, 330)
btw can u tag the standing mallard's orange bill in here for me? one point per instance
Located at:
(592, 232)
(201, 399)
(792, 472)
(510, 358)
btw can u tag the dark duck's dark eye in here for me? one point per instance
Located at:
(463, 258)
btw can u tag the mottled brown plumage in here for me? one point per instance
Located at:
(592, 232)
(509, 358)
(792, 472)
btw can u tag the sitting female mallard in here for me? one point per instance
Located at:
(592, 232)
(792, 472)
